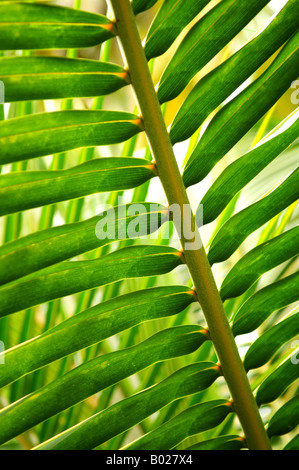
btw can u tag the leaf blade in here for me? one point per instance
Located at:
(264, 302)
(47, 247)
(278, 381)
(73, 388)
(76, 276)
(238, 116)
(93, 325)
(285, 419)
(241, 225)
(41, 78)
(169, 22)
(26, 190)
(259, 260)
(121, 416)
(49, 133)
(239, 173)
(34, 26)
(193, 420)
(269, 342)
(202, 43)
(222, 81)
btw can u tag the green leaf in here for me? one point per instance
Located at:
(91, 326)
(75, 276)
(95, 375)
(193, 420)
(264, 302)
(269, 342)
(278, 381)
(215, 87)
(220, 443)
(142, 5)
(241, 225)
(127, 413)
(256, 262)
(25, 190)
(43, 78)
(206, 38)
(50, 246)
(285, 419)
(293, 444)
(169, 22)
(29, 26)
(237, 117)
(242, 171)
(48, 133)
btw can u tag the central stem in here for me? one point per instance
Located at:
(196, 259)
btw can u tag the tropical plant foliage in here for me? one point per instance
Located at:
(120, 342)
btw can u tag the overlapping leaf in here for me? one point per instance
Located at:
(220, 443)
(126, 413)
(93, 325)
(47, 247)
(206, 38)
(238, 116)
(75, 276)
(95, 375)
(239, 173)
(223, 80)
(193, 420)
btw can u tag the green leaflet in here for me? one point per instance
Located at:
(169, 22)
(95, 375)
(41, 78)
(25, 190)
(142, 5)
(127, 413)
(93, 325)
(238, 116)
(41, 249)
(293, 444)
(206, 38)
(193, 420)
(256, 262)
(29, 26)
(222, 81)
(285, 419)
(242, 171)
(264, 302)
(278, 381)
(76, 276)
(48, 133)
(241, 225)
(269, 342)
(220, 443)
